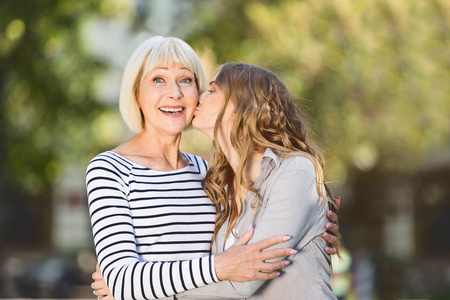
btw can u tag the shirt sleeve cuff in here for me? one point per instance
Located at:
(213, 269)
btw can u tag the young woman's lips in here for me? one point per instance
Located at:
(196, 111)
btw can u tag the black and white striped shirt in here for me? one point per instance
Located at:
(152, 229)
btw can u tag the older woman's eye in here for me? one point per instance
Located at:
(158, 80)
(186, 80)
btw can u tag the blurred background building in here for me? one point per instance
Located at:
(372, 78)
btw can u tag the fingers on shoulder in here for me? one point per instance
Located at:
(268, 275)
(332, 216)
(266, 243)
(97, 276)
(330, 250)
(245, 238)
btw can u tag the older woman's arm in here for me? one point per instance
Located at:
(130, 278)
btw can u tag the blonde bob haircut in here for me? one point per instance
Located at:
(151, 53)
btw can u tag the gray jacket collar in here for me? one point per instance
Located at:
(269, 155)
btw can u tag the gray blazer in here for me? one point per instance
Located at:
(290, 205)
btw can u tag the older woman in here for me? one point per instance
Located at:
(152, 221)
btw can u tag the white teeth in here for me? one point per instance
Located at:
(171, 110)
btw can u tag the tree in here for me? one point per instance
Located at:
(373, 75)
(48, 104)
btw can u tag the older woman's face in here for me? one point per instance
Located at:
(168, 96)
(209, 106)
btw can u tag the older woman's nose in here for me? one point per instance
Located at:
(175, 91)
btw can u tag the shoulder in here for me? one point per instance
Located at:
(197, 161)
(294, 172)
(109, 161)
(298, 163)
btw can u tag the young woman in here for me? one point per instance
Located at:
(264, 174)
(152, 222)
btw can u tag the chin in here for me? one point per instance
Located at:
(205, 132)
(175, 130)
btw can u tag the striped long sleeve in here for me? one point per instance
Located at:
(152, 229)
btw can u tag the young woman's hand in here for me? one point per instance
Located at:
(99, 286)
(243, 262)
(333, 230)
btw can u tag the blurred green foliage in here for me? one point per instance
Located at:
(48, 98)
(373, 76)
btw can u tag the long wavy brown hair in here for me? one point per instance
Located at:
(265, 117)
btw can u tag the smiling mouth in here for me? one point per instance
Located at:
(171, 110)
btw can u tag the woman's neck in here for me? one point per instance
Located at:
(159, 150)
(252, 162)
